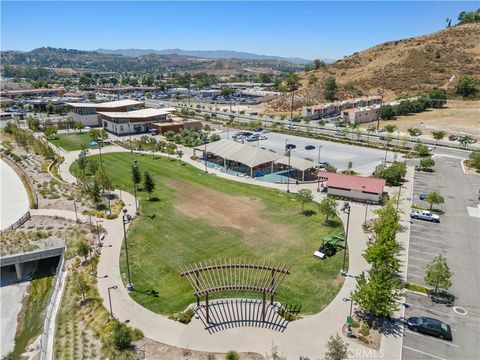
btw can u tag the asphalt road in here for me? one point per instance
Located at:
(457, 238)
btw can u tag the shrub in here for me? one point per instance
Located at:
(122, 336)
(232, 355)
(364, 330)
(184, 317)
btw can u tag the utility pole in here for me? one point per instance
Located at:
(380, 110)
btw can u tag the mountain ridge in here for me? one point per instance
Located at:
(209, 54)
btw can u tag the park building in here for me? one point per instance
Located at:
(88, 113)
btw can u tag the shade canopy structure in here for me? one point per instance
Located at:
(296, 162)
(242, 153)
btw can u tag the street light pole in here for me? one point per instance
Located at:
(111, 317)
(319, 148)
(346, 209)
(398, 197)
(98, 233)
(93, 272)
(100, 151)
(366, 210)
(125, 221)
(288, 173)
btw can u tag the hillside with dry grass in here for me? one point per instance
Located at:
(400, 67)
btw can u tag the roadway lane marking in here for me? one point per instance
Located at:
(425, 353)
(427, 309)
(431, 338)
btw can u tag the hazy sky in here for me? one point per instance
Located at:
(302, 29)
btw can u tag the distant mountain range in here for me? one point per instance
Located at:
(206, 54)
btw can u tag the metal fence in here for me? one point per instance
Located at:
(17, 223)
(47, 337)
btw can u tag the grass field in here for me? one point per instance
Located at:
(194, 216)
(72, 141)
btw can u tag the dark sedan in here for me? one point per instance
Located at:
(430, 326)
(309, 147)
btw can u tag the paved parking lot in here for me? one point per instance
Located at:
(363, 159)
(457, 238)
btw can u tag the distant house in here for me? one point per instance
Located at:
(335, 108)
(354, 187)
(361, 115)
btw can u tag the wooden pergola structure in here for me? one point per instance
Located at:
(234, 275)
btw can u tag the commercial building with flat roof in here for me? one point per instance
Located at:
(87, 113)
(133, 122)
(361, 115)
(336, 107)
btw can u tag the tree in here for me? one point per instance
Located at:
(328, 207)
(413, 132)
(422, 150)
(469, 16)
(394, 173)
(390, 128)
(179, 154)
(330, 168)
(465, 140)
(438, 97)
(79, 126)
(319, 64)
(304, 196)
(33, 123)
(438, 274)
(438, 135)
(378, 293)
(80, 284)
(466, 86)
(474, 159)
(232, 355)
(312, 80)
(148, 183)
(427, 163)
(83, 249)
(337, 349)
(330, 88)
(82, 159)
(136, 175)
(387, 112)
(434, 197)
(50, 131)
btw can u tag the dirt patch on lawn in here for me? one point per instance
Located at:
(227, 211)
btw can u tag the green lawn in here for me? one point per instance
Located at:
(175, 237)
(72, 141)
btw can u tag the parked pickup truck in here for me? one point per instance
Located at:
(425, 215)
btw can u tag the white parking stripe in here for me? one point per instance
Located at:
(418, 239)
(431, 338)
(421, 252)
(417, 276)
(427, 309)
(414, 258)
(425, 353)
(414, 266)
(418, 244)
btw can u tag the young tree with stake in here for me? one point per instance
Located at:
(305, 196)
(434, 197)
(148, 183)
(328, 207)
(438, 274)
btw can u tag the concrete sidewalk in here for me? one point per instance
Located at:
(305, 337)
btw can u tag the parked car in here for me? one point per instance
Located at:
(290, 146)
(322, 164)
(291, 126)
(422, 196)
(425, 215)
(339, 133)
(263, 137)
(473, 140)
(418, 133)
(382, 137)
(430, 326)
(253, 137)
(309, 147)
(453, 137)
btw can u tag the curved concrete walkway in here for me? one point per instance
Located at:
(303, 337)
(13, 196)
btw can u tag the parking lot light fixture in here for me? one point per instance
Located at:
(319, 149)
(135, 191)
(345, 209)
(125, 221)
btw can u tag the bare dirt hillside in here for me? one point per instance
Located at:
(405, 66)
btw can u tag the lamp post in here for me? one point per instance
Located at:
(76, 215)
(349, 319)
(98, 233)
(93, 272)
(111, 317)
(398, 197)
(135, 190)
(319, 149)
(205, 155)
(346, 209)
(366, 211)
(125, 221)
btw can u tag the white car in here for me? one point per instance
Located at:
(263, 137)
(425, 215)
